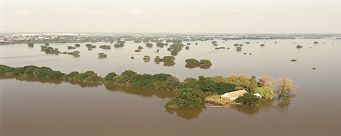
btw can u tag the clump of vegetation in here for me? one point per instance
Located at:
(140, 48)
(248, 98)
(90, 46)
(220, 48)
(262, 45)
(175, 48)
(214, 43)
(102, 55)
(187, 47)
(30, 45)
(157, 59)
(50, 50)
(70, 47)
(86, 77)
(187, 98)
(265, 81)
(146, 58)
(266, 92)
(205, 64)
(73, 53)
(299, 46)
(239, 49)
(106, 47)
(77, 45)
(31, 72)
(160, 44)
(149, 45)
(168, 61)
(137, 50)
(119, 45)
(243, 82)
(193, 63)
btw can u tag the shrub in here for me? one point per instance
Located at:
(285, 85)
(102, 55)
(265, 81)
(187, 98)
(248, 99)
(192, 63)
(205, 64)
(168, 60)
(146, 58)
(106, 47)
(266, 92)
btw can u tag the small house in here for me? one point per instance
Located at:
(231, 96)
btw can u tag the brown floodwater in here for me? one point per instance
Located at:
(53, 108)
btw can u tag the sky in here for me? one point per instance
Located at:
(171, 16)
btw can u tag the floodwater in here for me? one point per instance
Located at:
(35, 108)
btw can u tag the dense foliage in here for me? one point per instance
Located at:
(193, 63)
(266, 92)
(187, 98)
(248, 98)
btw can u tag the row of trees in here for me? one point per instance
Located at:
(190, 91)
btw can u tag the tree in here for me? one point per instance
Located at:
(266, 92)
(248, 98)
(265, 81)
(285, 85)
(253, 84)
(187, 98)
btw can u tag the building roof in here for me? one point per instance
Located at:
(234, 93)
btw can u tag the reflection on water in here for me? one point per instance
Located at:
(141, 92)
(185, 113)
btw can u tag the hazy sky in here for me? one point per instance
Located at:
(208, 16)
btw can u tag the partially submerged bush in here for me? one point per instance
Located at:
(31, 45)
(149, 45)
(146, 58)
(187, 98)
(70, 47)
(193, 63)
(168, 60)
(119, 45)
(248, 98)
(102, 55)
(106, 47)
(266, 92)
(205, 64)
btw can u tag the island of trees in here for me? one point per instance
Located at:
(191, 93)
(193, 63)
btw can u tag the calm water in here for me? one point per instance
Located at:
(34, 108)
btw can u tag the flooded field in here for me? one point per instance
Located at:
(34, 108)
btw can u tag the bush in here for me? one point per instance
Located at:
(285, 85)
(146, 58)
(149, 45)
(205, 64)
(243, 82)
(266, 92)
(192, 63)
(168, 60)
(248, 99)
(102, 55)
(265, 81)
(187, 98)
(106, 47)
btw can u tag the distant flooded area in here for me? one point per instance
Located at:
(59, 108)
